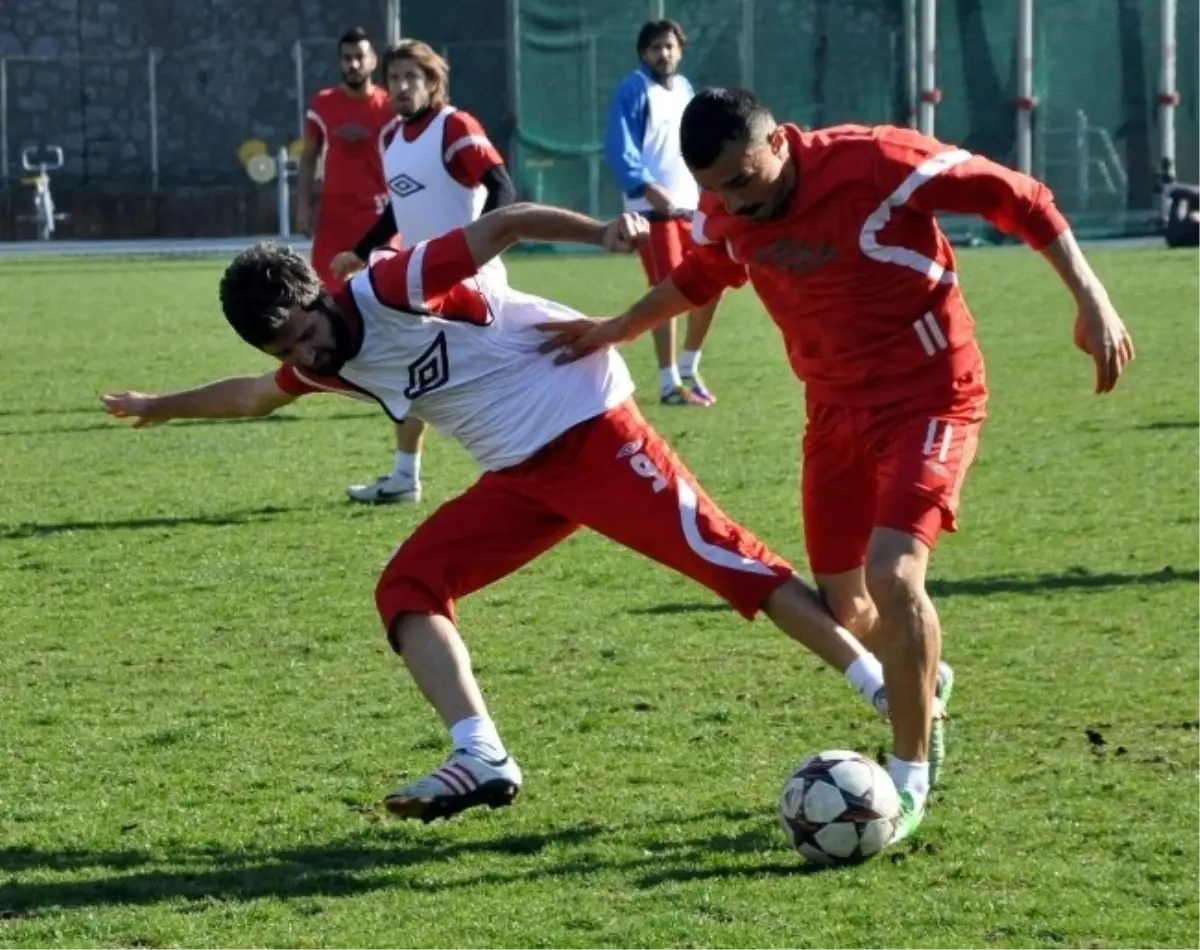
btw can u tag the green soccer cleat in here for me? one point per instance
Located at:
(937, 735)
(910, 819)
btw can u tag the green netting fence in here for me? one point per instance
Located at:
(820, 62)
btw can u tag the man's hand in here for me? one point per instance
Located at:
(575, 339)
(626, 233)
(1100, 333)
(658, 198)
(346, 264)
(143, 408)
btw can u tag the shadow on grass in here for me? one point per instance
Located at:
(399, 858)
(37, 529)
(1170, 424)
(662, 610)
(1071, 579)
(115, 425)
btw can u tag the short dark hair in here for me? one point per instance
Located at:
(716, 117)
(353, 37)
(260, 286)
(656, 28)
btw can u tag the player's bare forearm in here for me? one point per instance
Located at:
(1066, 257)
(525, 221)
(236, 397)
(662, 303)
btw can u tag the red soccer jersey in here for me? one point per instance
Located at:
(348, 129)
(857, 275)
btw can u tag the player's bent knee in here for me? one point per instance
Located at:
(895, 577)
(399, 596)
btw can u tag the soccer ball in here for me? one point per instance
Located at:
(839, 808)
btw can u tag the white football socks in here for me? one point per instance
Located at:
(689, 363)
(407, 465)
(911, 777)
(669, 378)
(478, 735)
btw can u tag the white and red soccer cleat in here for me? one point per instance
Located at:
(465, 781)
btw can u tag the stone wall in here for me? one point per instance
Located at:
(78, 75)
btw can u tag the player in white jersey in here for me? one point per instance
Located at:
(641, 145)
(562, 446)
(442, 172)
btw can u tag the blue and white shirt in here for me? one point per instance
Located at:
(642, 141)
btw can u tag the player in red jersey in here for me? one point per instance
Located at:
(835, 230)
(343, 124)
(562, 446)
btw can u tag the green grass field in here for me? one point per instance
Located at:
(200, 713)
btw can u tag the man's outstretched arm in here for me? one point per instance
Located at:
(237, 397)
(495, 232)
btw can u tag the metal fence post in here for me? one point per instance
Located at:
(594, 123)
(4, 121)
(1025, 98)
(513, 40)
(746, 45)
(931, 95)
(283, 193)
(1168, 95)
(912, 63)
(152, 86)
(301, 105)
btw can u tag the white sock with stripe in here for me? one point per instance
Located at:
(669, 379)
(407, 465)
(478, 735)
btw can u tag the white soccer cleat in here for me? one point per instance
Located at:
(386, 490)
(465, 781)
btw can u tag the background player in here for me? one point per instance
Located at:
(836, 231)
(642, 147)
(561, 446)
(442, 172)
(343, 124)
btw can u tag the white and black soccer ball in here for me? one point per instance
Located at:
(839, 808)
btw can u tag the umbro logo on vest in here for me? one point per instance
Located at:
(403, 186)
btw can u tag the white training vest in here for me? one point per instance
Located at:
(486, 386)
(661, 154)
(426, 201)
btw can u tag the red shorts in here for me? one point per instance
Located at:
(339, 227)
(896, 467)
(613, 474)
(669, 243)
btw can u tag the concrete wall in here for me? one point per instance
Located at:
(77, 75)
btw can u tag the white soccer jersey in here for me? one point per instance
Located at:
(433, 168)
(459, 351)
(661, 153)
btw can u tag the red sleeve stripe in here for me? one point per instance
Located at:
(313, 116)
(868, 238)
(459, 144)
